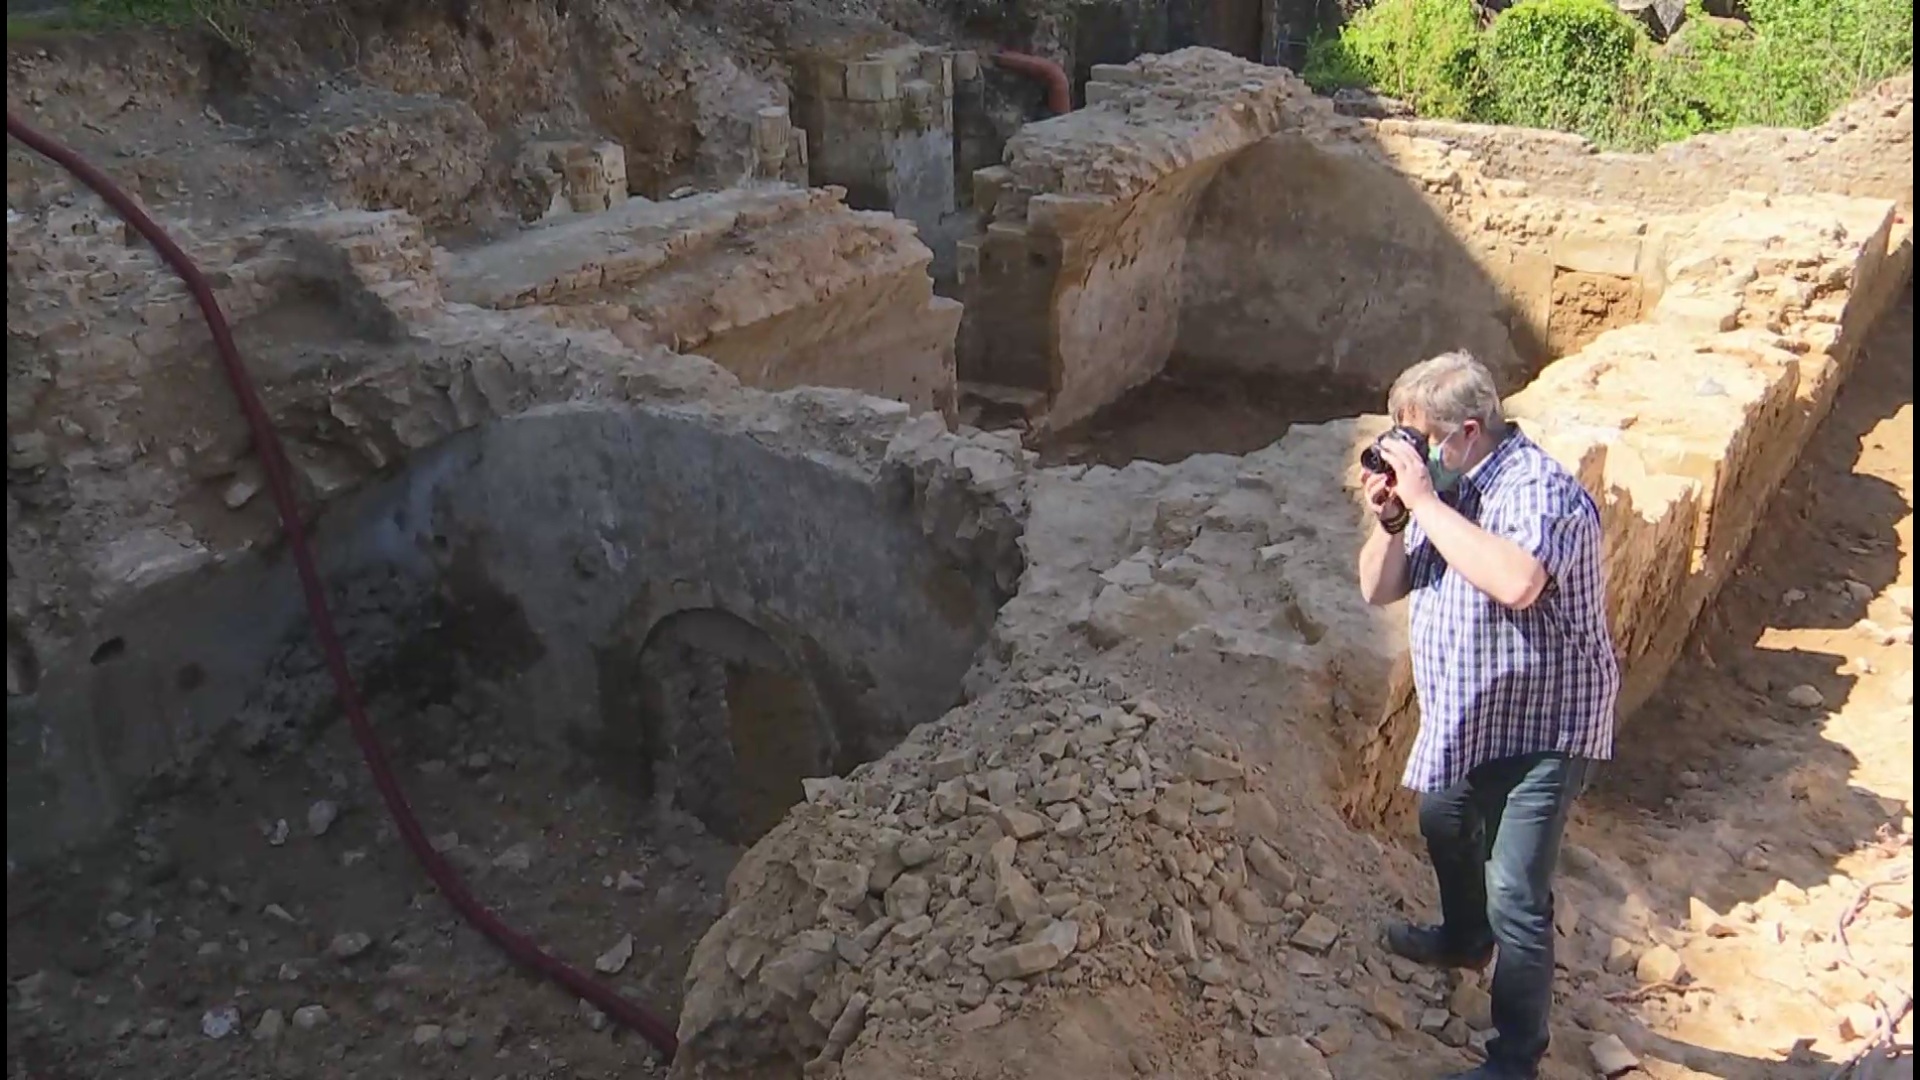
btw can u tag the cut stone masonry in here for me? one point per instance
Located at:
(1157, 658)
(782, 286)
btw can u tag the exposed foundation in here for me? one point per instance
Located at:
(678, 482)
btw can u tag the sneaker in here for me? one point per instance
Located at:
(1427, 945)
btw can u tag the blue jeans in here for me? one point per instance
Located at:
(1494, 840)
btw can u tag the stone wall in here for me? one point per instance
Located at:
(150, 608)
(1313, 258)
(819, 296)
(1088, 220)
(1864, 149)
(881, 125)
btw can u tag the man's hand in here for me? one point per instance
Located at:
(1411, 484)
(1380, 497)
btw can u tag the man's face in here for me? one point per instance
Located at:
(1451, 445)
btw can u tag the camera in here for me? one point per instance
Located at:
(1372, 460)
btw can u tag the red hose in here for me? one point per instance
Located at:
(1059, 93)
(279, 480)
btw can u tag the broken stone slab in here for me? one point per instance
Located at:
(1208, 768)
(1473, 1005)
(1020, 824)
(1611, 1057)
(1288, 1057)
(614, 960)
(979, 1018)
(1181, 935)
(844, 883)
(1705, 920)
(1317, 935)
(1053, 944)
(1660, 964)
(1621, 957)
(907, 897)
(1015, 897)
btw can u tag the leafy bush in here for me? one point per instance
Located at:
(1575, 65)
(1424, 52)
(1581, 66)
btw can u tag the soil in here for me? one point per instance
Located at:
(220, 895)
(1752, 803)
(1174, 417)
(1772, 814)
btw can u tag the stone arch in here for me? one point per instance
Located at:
(728, 721)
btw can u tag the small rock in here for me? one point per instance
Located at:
(1611, 1056)
(978, 1019)
(1044, 953)
(321, 816)
(517, 858)
(1185, 946)
(220, 1022)
(951, 766)
(1473, 1005)
(1705, 920)
(907, 897)
(278, 832)
(270, 1026)
(915, 851)
(427, 1034)
(1385, 1006)
(346, 946)
(1660, 964)
(614, 960)
(1020, 824)
(156, 1028)
(1317, 934)
(1061, 789)
(1267, 863)
(1805, 697)
(308, 1017)
(1289, 1057)
(1333, 1039)
(1621, 956)
(1207, 768)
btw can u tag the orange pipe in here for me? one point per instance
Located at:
(1059, 92)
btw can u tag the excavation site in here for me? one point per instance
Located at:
(842, 537)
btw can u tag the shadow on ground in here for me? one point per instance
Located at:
(1725, 789)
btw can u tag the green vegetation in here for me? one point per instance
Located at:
(222, 18)
(1582, 66)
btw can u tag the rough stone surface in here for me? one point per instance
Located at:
(1131, 850)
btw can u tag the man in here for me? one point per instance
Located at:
(1499, 548)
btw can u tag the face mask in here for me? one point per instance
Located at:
(1443, 477)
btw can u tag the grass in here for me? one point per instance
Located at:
(1581, 66)
(224, 19)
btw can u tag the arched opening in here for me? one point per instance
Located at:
(729, 724)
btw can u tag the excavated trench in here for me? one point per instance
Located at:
(1308, 280)
(608, 639)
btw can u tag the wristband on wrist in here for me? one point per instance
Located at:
(1398, 523)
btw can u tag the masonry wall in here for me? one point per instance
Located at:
(1865, 149)
(1309, 261)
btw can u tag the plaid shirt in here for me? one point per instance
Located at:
(1493, 682)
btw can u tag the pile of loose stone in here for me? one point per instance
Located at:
(1082, 837)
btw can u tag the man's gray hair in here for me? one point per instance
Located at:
(1447, 391)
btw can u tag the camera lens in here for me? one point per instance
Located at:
(1375, 462)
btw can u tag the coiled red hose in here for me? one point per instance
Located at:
(279, 481)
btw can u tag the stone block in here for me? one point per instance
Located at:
(1615, 256)
(1117, 74)
(872, 80)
